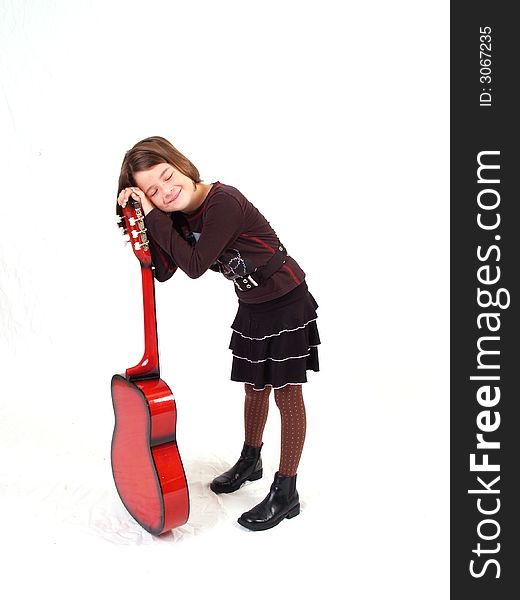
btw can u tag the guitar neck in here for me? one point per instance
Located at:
(148, 367)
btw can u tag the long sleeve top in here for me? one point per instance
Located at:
(226, 234)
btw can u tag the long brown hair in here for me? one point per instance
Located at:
(146, 154)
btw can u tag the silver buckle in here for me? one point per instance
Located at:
(248, 282)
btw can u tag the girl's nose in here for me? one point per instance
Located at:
(167, 189)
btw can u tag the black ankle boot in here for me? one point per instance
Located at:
(248, 468)
(282, 502)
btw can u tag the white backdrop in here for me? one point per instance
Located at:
(333, 119)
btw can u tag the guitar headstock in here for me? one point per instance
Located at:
(132, 224)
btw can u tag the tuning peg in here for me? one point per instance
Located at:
(118, 219)
(137, 246)
(132, 221)
(134, 233)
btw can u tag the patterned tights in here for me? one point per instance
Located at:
(289, 400)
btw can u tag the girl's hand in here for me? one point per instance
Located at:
(137, 194)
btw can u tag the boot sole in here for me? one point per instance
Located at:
(236, 486)
(270, 524)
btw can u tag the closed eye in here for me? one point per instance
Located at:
(167, 179)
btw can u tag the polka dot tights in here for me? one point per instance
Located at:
(289, 401)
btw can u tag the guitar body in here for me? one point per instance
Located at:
(146, 464)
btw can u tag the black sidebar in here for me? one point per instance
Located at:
(485, 270)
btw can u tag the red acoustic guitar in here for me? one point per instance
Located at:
(146, 464)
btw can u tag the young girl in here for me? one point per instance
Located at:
(196, 226)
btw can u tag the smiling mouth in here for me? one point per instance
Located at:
(174, 198)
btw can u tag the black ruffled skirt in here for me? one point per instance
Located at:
(276, 342)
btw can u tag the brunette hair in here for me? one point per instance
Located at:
(150, 152)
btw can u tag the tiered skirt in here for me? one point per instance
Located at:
(276, 342)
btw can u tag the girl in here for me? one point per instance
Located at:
(197, 226)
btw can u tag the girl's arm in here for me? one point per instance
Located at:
(223, 223)
(164, 265)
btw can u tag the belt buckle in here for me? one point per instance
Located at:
(248, 282)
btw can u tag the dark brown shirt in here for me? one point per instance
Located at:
(228, 234)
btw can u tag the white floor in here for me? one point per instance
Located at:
(366, 529)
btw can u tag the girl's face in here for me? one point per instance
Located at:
(167, 188)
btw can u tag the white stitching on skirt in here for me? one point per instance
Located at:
(269, 358)
(273, 334)
(271, 385)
